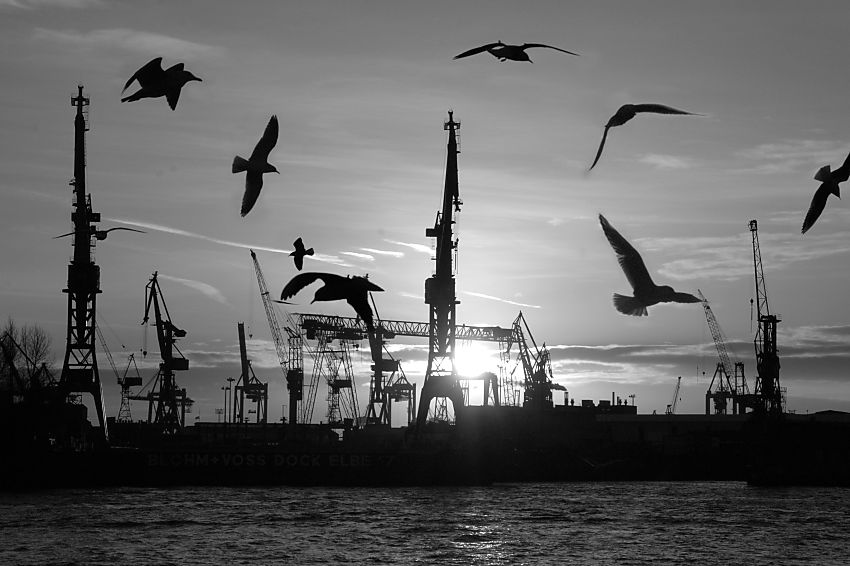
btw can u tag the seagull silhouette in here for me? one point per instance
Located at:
(354, 290)
(646, 292)
(829, 185)
(504, 52)
(299, 253)
(628, 111)
(156, 82)
(256, 165)
(101, 234)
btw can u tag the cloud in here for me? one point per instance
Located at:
(792, 154)
(366, 257)
(666, 161)
(383, 252)
(731, 257)
(492, 298)
(35, 4)
(204, 288)
(132, 40)
(421, 248)
(169, 230)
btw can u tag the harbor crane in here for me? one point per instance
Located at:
(768, 395)
(441, 379)
(722, 388)
(79, 369)
(167, 405)
(671, 408)
(248, 385)
(290, 359)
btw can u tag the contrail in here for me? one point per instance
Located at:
(492, 298)
(169, 230)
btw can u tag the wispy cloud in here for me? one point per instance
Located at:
(383, 252)
(200, 286)
(357, 255)
(35, 4)
(177, 231)
(666, 161)
(730, 257)
(132, 40)
(492, 298)
(790, 155)
(421, 248)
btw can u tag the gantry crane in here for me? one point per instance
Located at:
(722, 389)
(535, 364)
(768, 395)
(126, 382)
(167, 405)
(290, 360)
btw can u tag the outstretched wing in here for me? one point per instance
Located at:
(253, 186)
(150, 72)
(528, 45)
(817, 206)
(628, 257)
(842, 173)
(267, 142)
(679, 297)
(660, 109)
(128, 229)
(601, 145)
(478, 50)
(360, 303)
(303, 279)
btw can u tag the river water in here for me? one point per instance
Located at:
(554, 523)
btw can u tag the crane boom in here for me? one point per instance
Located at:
(274, 325)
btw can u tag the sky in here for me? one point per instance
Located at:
(361, 90)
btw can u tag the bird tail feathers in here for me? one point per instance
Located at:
(239, 164)
(629, 305)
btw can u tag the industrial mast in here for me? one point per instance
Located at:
(768, 393)
(441, 381)
(79, 369)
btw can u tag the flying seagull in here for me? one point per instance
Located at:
(256, 165)
(829, 185)
(646, 293)
(299, 253)
(156, 82)
(628, 111)
(101, 234)
(513, 52)
(355, 290)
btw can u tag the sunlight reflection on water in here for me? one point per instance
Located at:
(631, 523)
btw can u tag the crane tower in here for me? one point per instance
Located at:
(79, 368)
(768, 393)
(441, 380)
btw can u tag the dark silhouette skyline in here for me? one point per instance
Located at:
(156, 82)
(628, 111)
(353, 289)
(299, 253)
(504, 51)
(646, 292)
(257, 165)
(829, 186)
